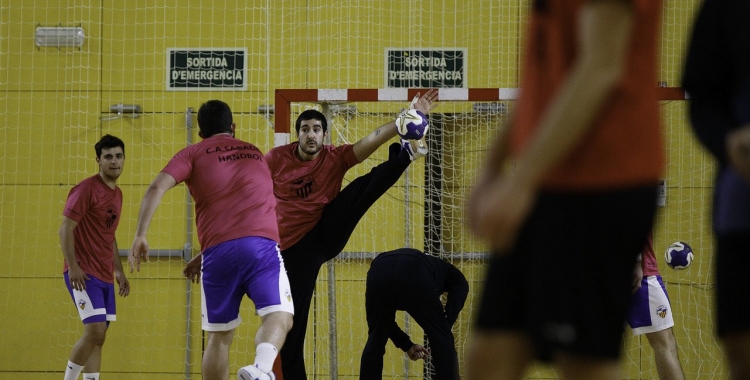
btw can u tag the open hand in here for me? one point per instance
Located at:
(426, 102)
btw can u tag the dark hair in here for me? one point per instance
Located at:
(107, 142)
(311, 115)
(214, 117)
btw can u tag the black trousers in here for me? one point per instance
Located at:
(324, 242)
(402, 282)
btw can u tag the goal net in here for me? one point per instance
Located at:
(424, 210)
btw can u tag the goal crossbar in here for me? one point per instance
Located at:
(285, 97)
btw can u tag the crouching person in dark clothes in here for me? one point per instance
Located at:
(409, 280)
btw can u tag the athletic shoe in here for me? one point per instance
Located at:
(252, 372)
(416, 148)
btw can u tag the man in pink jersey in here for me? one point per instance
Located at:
(236, 220)
(316, 218)
(567, 194)
(651, 314)
(92, 262)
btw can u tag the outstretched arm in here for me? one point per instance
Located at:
(151, 200)
(366, 146)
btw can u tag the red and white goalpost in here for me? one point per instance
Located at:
(285, 97)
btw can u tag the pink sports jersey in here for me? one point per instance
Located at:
(649, 265)
(304, 188)
(97, 209)
(231, 185)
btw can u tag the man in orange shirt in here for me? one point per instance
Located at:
(580, 200)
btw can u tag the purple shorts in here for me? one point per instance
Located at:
(650, 310)
(249, 266)
(96, 303)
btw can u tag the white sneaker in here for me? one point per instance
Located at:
(252, 372)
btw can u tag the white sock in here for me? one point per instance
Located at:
(91, 376)
(72, 371)
(265, 354)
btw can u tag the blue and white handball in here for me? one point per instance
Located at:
(679, 255)
(412, 124)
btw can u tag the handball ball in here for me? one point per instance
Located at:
(412, 125)
(679, 255)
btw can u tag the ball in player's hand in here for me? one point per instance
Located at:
(412, 124)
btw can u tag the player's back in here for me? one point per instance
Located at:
(232, 188)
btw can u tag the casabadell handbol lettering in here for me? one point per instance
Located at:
(237, 155)
(228, 148)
